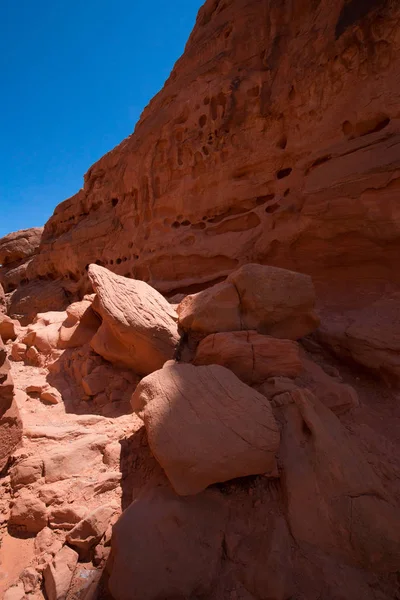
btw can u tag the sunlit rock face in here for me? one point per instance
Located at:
(279, 147)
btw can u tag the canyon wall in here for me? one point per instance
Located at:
(274, 140)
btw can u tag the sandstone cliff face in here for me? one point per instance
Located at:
(276, 139)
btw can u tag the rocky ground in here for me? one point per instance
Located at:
(217, 448)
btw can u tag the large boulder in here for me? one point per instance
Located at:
(37, 297)
(273, 301)
(139, 328)
(335, 501)
(251, 356)
(19, 245)
(205, 426)
(80, 325)
(164, 546)
(9, 328)
(59, 572)
(370, 336)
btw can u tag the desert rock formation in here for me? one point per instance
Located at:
(199, 353)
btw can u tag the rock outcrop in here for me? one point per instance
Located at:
(252, 357)
(370, 337)
(139, 327)
(267, 167)
(205, 426)
(335, 500)
(272, 301)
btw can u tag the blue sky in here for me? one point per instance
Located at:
(75, 76)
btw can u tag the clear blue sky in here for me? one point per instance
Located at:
(75, 76)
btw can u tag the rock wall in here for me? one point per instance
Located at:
(280, 147)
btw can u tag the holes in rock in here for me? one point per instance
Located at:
(111, 262)
(284, 173)
(282, 143)
(130, 245)
(100, 263)
(206, 100)
(118, 261)
(114, 201)
(202, 120)
(199, 226)
(347, 128)
(286, 192)
(175, 225)
(185, 223)
(373, 125)
(272, 208)
(263, 199)
(205, 151)
(292, 93)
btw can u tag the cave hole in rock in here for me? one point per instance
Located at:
(282, 173)
(287, 192)
(186, 223)
(175, 225)
(202, 120)
(282, 142)
(272, 208)
(263, 199)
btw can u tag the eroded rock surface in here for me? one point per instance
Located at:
(272, 301)
(139, 328)
(252, 357)
(205, 426)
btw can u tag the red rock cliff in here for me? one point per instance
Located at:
(275, 140)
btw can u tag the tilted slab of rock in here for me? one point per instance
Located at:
(205, 426)
(139, 328)
(370, 336)
(165, 546)
(272, 301)
(335, 500)
(251, 356)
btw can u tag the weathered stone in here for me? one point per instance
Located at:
(28, 513)
(88, 531)
(58, 574)
(26, 471)
(205, 426)
(165, 546)
(139, 327)
(335, 501)
(251, 356)
(272, 301)
(66, 517)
